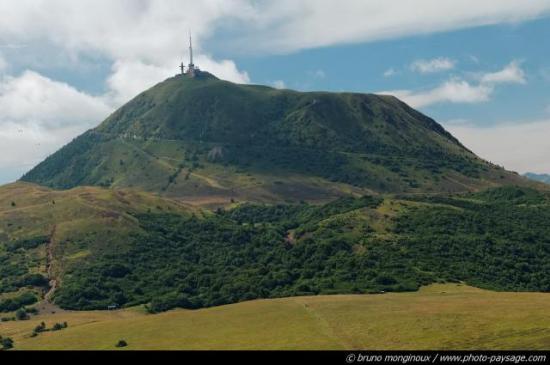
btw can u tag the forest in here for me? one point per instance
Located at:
(496, 240)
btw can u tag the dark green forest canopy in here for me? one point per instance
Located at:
(486, 240)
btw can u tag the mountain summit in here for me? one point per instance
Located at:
(210, 140)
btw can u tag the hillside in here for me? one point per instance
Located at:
(107, 247)
(209, 141)
(496, 240)
(544, 178)
(437, 317)
(44, 233)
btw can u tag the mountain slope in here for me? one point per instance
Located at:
(544, 178)
(209, 140)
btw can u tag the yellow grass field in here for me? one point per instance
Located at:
(447, 316)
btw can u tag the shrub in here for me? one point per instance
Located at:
(13, 304)
(121, 343)
(40, 328)
(21, 315)
(31, 311)
(28, 243)
(7, 343)
(37, 280)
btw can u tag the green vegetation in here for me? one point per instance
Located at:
(308, 194)
(353, 245)
(59, 326)
(22, 315)
(13, 304)
(496, 244)
(511, 195)
(450, 316)
(206, 137)
(41, 328)
(27, 244)
(121, 248)
(220, 261)
(39, 238)
(121, 343)
(7, 343)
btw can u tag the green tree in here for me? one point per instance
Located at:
(40, 328)
(6, 342)
(21, 315)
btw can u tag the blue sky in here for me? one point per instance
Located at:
(479, 68)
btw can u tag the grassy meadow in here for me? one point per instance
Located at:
(440, 316)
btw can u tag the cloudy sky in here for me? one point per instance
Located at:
(480, 68)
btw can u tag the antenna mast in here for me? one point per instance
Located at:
(192, 70)
(191, 49)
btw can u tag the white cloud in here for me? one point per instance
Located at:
(473, 59)
(150, 33)
(32, 98)
(522, 147)
(24, 145)
(457, 90)
(152, 30)
(38, 115)
(3, 64)
(452, 91)
(279, 84)
(318, 74)
(434, 65)
(225, 69)
(12, 46)
(129, 78)
(148, 30)
(390, 72)
(289, 25)
(512, 73)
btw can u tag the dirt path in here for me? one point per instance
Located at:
(49, 264)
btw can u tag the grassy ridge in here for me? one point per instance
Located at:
(436, 317)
